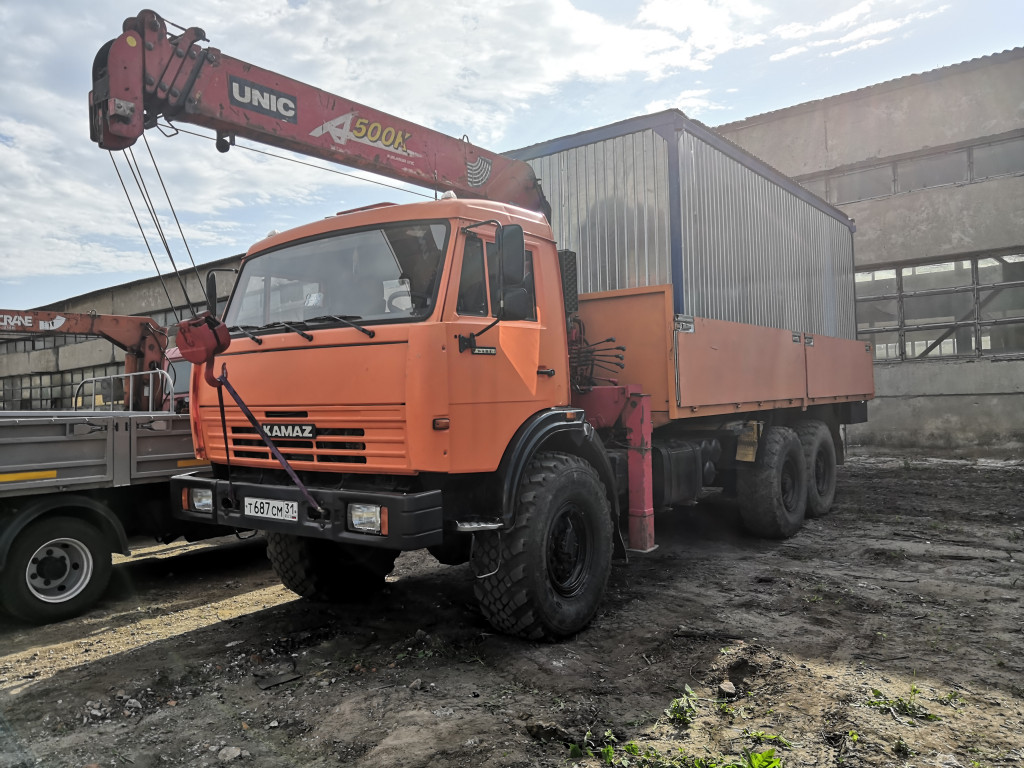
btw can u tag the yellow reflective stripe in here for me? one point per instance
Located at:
(192, 462)
(13, 477)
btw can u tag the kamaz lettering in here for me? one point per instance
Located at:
(266, 101)
(294, 431)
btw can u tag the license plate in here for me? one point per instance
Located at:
(274, 509)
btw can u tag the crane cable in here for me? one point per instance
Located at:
(142, 230)
(140, 181)
(174, 213)
(176, 129)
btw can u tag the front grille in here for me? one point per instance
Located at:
(370, 438)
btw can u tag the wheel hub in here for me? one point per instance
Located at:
(568, 553)
(59, 570)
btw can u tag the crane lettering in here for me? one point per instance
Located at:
(16, 321)
(266, 101)
(373, 133)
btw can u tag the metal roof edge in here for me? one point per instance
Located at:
(886, 85)
(675, 120)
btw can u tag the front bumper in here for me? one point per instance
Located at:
(415, 520)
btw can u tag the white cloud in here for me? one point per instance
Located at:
(860, 46)
(693, 103)
(710, 27)
(860, 22)
(796, 30)
(793, 51)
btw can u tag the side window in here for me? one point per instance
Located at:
(526, 286)
(473, 280)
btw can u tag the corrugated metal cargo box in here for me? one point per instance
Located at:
(663, 200)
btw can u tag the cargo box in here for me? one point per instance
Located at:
(731, 285)
(663, 200)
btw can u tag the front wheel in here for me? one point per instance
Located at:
(326, 571)
(545, 577)
(58, 568)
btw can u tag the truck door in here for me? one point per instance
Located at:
(500, 376)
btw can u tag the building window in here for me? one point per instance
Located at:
(861, 185)
(932, 171)
(1000, 159)
(963, 165)
(949, 309)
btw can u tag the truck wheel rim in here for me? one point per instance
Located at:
(568, 551)
(59, 570)
(789, 486)
(820, 473)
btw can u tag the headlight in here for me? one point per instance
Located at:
(366, 518)
(201, 499)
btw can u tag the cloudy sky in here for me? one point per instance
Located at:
(507, 73)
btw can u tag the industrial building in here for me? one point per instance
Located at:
(931, 168)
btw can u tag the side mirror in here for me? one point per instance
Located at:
(513, 254)
(211, 293)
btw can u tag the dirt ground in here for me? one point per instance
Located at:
(888, 633)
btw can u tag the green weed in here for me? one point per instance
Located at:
(683, 711)
(908, 707)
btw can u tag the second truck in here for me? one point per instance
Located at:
(498, 379)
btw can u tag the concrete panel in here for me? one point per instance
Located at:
(932, 223)
(24, 363)
(944, 107)
(953, 405)
(95, 352)
(99, 301)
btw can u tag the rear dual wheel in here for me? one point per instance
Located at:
(820, 456)
(773, 491)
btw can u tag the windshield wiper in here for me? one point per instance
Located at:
(248, 331)
(289, 326)
(344, 320)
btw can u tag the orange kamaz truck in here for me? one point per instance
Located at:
(504, 377)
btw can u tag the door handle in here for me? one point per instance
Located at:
(545, 371)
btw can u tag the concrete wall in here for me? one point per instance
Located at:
(984, 97)
(970, 407)
(937, 222)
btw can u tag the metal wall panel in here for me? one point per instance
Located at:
(753, 246)
(610, 204)
(753, 252)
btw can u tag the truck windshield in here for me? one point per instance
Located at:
(385, 274)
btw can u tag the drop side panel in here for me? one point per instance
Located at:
(727, 367)
(839, 367)
(641, 320)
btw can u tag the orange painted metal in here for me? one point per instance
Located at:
(837, 367)
(729, 367)
(637, 419)
(722, 367)
(641, 320)
(375, 401)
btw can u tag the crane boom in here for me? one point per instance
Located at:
(142, 338)
(147, 72)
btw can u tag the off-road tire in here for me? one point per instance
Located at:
(57, 568)
(326, 571)
(820, 455)
(548, 573)
(773, 492)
